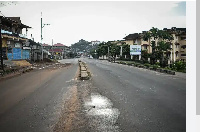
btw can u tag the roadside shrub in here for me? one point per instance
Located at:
(145, 61)
(155, 67)
(147, 65)
(121, 62)
(167, 68)
(138, 61)
(158, 63)
(137, 64)
(130, 63)
(179, 66)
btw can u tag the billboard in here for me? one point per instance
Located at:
(135, 49)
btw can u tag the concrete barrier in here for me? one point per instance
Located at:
(83, 68)
(83, 71)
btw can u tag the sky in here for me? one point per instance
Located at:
(94, 20)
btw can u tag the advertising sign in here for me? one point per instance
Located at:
(135, 49)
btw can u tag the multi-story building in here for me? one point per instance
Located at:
(15, 44)
(47, 47)
(118, 42)
(178, 44)
(132, 39)
(59, 50)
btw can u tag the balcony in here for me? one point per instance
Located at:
(11, 34)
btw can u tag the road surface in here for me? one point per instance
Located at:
(116, 98)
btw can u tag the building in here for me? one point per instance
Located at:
(178, 44)
(58, 50)
(57, 53)
(118, 42)
(47, 47)
(65, 49)
(15, 45)
(132, 39)
(36, 51)
(95, 43)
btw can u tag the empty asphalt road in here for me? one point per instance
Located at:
(33, 101)
(147, 101)
(116, 98)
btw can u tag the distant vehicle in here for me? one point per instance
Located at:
(90, 57)
(77, 56)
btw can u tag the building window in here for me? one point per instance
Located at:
(183, 38)
(176, 54)
(167, 54)
(176, 46)
(183, 46)
(183, 54)
(145, 46)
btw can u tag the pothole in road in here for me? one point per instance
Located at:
(102, 116)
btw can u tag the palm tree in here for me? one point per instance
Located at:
(161, 48)
(156, 34)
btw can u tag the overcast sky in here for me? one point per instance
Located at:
(93, 20)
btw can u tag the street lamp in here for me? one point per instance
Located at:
(42, 26)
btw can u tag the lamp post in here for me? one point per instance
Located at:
(42, 26)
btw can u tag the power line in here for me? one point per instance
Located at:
(2, 14)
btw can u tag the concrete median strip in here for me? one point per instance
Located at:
(83, 71)
(83, 68)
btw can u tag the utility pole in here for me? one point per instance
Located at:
(1, 49)
(52, 49)
(42, 26)
(41, 36)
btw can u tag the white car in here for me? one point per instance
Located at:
(90, 57)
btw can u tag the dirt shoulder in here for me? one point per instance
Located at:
(20, 70)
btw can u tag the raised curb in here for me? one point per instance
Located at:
(150, 68)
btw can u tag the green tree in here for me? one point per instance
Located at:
(115, 50)
(126, 49)
(102, 49)
(162, 47)
(144, 56)
(156, 34)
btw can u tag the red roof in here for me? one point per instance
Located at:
(59, 44)
(45, 45)
(55, 50)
